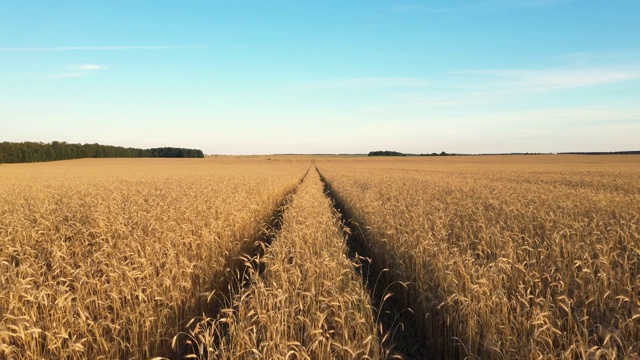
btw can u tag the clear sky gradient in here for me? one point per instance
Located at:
(262, 77)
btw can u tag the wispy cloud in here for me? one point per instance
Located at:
(480, 6)
(481, 87)
(82, 48)
(79, 70)
(88, 67)
(575, 55)
(444, 101)
(548, 80)
(570, 116)
(67, 75)
(365, 82)
(261, 46)
(475, 88)
(611, 57)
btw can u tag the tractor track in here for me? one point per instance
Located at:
(234, 276)
(399, 325)
(398, 322)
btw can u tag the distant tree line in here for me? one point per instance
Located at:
(396, 153)
(436, 154)
(634, 152)
(386, 153)
(26, 152)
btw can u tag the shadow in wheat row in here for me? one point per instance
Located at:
(231, 279)
(413, 330)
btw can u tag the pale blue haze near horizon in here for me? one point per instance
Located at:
(249, 77)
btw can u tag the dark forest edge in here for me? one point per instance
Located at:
(27, 152)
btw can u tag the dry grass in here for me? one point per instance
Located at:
(309, 303)
(109, 258)
(509, 257)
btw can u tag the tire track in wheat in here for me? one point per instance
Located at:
(397, 321)
(307, 303)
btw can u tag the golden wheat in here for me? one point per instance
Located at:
(499, 257)
(508, 257)
(308, 304)
(109, 258)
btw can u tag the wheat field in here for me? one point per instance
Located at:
(308, 303)
(108, 259)
(492, 257)
(522, 257)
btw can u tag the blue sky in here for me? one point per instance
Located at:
(249, 77)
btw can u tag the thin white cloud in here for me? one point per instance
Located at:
(261, 46)
(67, 75)
(82, 48)
(88, 67)
(79, 70)
(570, 117)
(548, 80)
(474, 87)
(444, 101)
(365, 82)
(481, 87)
(480, 6)
(609, 58)
(575, 55)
